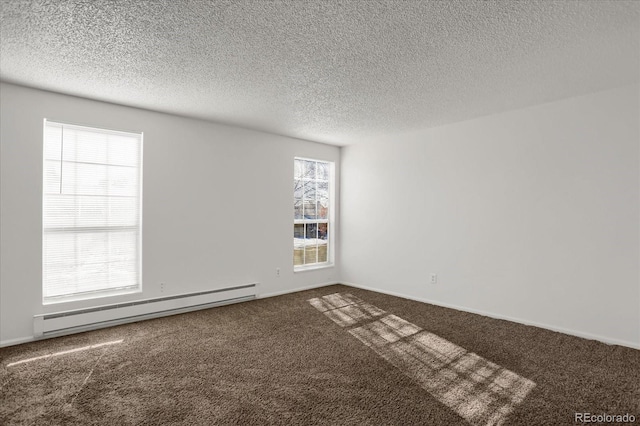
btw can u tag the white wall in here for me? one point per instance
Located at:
(217, 203)
(531, 215)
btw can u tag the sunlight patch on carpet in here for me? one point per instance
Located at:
(481, 392)
(69, 351)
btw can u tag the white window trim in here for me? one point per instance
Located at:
(330, 263)
(313, 267)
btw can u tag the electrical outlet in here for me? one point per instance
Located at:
(277, 272)
(161, 287)
(434, 278)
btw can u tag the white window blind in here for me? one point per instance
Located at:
(91, 211)
(311, 210)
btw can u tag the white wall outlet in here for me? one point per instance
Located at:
(434, 278)
(162, 285)
(277, 272)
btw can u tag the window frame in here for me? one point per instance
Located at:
(330, 219)
(106, 291)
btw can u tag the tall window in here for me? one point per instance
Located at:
(311, 186)
(91, 212)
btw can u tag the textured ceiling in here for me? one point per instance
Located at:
(331, 71)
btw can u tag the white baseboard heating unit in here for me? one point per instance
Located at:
(79, 320)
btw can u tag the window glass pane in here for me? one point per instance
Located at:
(88, 271)
(310, 200)
(101, 148)
(322, 253)
(67, 211)
(298, 244)
(123, 151)
(310, 255)
(297, 169)
(323, 171)
(297, 189)
(53, 147)
(309, 210)
(322, 209)
(84, 146)
(311, 231)
(297, 209)
(51, 176)
(323, 235)
(298, 256)
(323, 232)
(323, 190)
(309, 170)
(309, 190)
(98, 179)
(311, 241)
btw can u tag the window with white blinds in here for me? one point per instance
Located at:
(311, 212)
(91, 212)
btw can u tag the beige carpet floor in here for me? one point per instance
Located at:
(335, 355)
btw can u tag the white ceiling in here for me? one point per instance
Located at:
(337, 72)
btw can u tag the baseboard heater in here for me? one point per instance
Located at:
(79, 320)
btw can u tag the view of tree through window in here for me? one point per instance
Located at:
(311, 211)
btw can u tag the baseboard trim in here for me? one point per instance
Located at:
(16, 341)
(570, 332)
(295, 290)
(584, 335)
(20, 340)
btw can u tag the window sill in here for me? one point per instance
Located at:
(89, 296)
(312, 267)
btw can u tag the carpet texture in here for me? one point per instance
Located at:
(333, 355)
